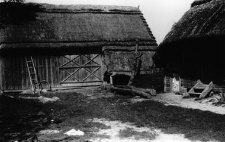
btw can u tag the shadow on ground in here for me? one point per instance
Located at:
(21, 119)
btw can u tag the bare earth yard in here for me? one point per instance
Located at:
(109, 117)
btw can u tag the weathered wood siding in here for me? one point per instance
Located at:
(14, 74)
(81, 70)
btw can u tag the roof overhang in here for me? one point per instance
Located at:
(75, 46)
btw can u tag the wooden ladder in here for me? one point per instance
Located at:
(32, 73)
(200, 90)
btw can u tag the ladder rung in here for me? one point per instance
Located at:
(195, 93)
(202, 85)
(32, 71)
(200, 88)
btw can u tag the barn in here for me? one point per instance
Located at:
(194, 48)
(71, 45)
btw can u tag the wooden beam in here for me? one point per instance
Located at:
(130, 91)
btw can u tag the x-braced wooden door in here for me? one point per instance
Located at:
(80, 70)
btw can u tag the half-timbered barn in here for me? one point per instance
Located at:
(73, 45)
(194, 49)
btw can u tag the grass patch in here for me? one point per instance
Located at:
(22, 119)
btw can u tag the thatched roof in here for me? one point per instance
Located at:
(201, 28)
(199, 2)
(205, 18)
(79, 25)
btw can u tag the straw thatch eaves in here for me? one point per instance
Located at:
(202, 20)
(67, 26)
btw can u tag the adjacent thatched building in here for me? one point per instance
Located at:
(195, 47)
(72, 45)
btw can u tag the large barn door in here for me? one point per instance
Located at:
(80, 70)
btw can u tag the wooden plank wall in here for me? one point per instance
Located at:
(48, 69)
(14, 74)
(73, 64)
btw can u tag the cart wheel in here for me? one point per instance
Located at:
(41, 85)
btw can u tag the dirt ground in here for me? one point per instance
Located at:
(109, 117)
(191, 103)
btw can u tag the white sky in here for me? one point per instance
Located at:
(160, 14)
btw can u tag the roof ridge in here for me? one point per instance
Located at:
(52, 8)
